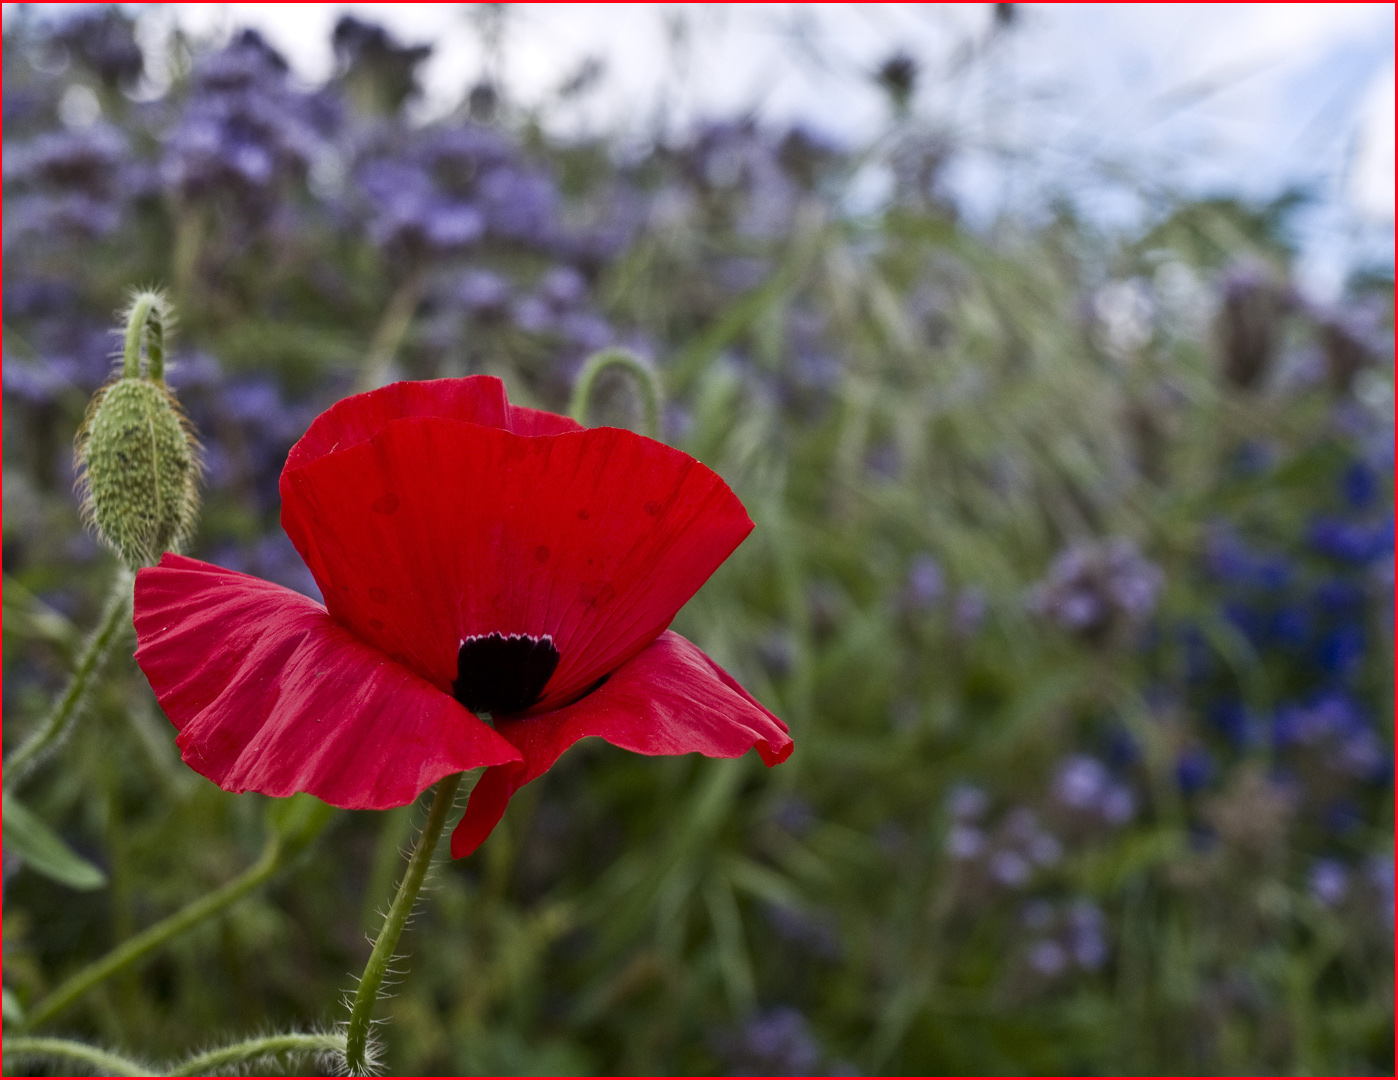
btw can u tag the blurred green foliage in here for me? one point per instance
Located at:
(920, 417)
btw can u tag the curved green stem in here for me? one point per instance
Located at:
(145, 322)
(134, 949)
(105, 1061)
(357, 1033)
(645, 376)
(252, 1049)
(116, 617)
(388, 335)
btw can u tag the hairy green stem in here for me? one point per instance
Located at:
(252, 1049)
(361, 1014)
(388, 335)
(645, 376)
(116, 617)
(145, 323)
(130, 952)
(105, 1061)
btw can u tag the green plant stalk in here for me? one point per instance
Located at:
(104, 1060)
(144, 324)
(130, 952)
(388, 335)
(116, 617)
(252, 1049)
(647, 380)
(361, 1014)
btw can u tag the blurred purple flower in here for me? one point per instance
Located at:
(1328, 882)
(964, 842)
(1048, 958)
(1010, 868)
(777, 1042)
(104, 40)
(483, 293)
(925, 585)
(967, 802)
(1194, 770)
(1092, 587)
(971, 610)
(1080, 782)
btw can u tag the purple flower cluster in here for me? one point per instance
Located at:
(1084, 785)
(1094, 587)
(103, 41)
(1364, 890)
(1064, 937)
(245, 133)
(70, 184)
(755, 182)
(442, 190)
(1008, 853)
(776, 1042)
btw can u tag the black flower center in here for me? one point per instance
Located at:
(501, 674)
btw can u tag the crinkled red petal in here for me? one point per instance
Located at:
(270, 694)
(435, 530)
(478, 399)
(670, 699)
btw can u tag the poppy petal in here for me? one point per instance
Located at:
(270, 694)
(670, 699)
(434, 531)
(477, 399)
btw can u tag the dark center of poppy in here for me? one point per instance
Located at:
(501, 674)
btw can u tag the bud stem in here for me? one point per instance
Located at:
(145, 323)
(357, 1034)
(251, 1049)
(93, 1057)
(645, 376)
(116, 617)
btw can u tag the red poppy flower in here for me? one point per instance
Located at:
(476, 558)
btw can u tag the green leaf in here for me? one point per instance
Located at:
(14, 1011)
(44, 850)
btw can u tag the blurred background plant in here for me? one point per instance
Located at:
(1073, 576)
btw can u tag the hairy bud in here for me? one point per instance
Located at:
(137, 456)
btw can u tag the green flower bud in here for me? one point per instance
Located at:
(138, 459)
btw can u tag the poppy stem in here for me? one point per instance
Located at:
(67, 1050)
(361, 1015)
(116, 618)
(645, 376)
(251, 1050)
